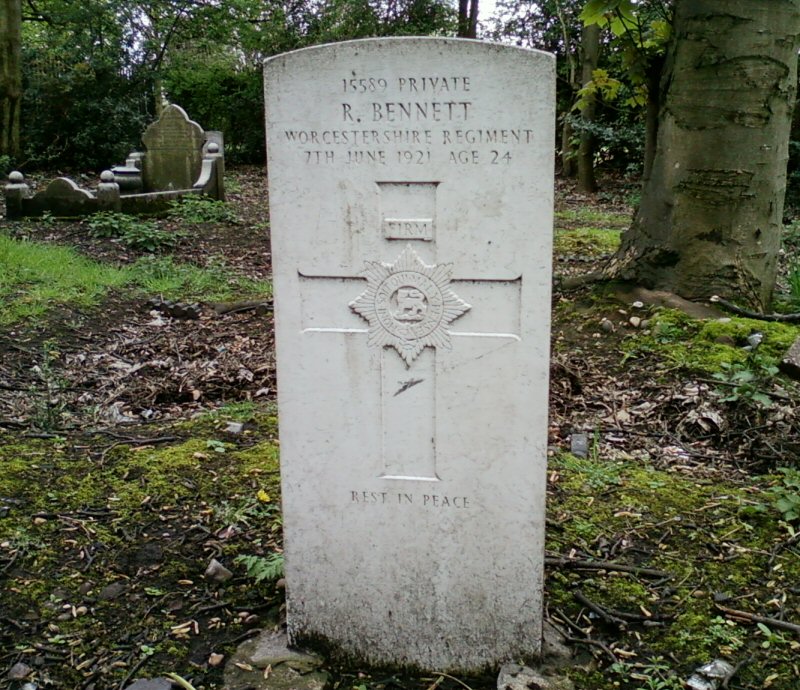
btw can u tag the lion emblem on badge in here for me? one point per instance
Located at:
(409, 304)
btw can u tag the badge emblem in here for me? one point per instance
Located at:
(409, 304)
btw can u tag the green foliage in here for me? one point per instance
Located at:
(219, 92)
(84, 103)
(261, 568)
(5, 166)
(746, 381)
(786, 495)
(140, 235)
(793, 278)
(201, 209)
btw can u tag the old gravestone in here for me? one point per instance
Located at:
(411, 214)
(174, 145)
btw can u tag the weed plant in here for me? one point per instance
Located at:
(140, 235)
(201, 209)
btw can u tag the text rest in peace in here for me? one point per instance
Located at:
(402, 498)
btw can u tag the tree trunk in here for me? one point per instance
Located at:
(467, 18)
(590, 54)
(10, 76)
(651, 115)
(711, 212)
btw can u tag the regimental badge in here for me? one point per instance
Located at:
(409, 305)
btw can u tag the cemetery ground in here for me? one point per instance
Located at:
(138, 443)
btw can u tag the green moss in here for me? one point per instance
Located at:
(586, 241)
(712, 537)
(708, 347)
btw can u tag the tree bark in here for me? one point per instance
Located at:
(10, 76)
(467, 18)
(651, 116)
(711, 212)
(590, 55)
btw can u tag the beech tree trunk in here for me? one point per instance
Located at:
(711, 212)
(10, 76)
(590, 54)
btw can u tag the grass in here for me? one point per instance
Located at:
(213, 283)
(36, 277)
(33, 277)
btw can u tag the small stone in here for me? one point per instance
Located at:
(754, 340)
(637, 305)
(635, 321)
(19, 671)
(234, 427)
(216, 572)
(215, 659)
(81, 611)
(607, 326)
(579, 445)
(39, 520)
(112, 591)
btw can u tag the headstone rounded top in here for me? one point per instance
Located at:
(213, 147)
(106, 176)
(16, 177)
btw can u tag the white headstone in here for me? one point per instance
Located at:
(411, 215)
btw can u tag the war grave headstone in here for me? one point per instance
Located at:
(411, 186)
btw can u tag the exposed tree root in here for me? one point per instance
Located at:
(739, 311)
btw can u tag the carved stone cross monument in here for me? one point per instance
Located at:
(411, 219)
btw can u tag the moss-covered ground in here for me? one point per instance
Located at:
(104, 544)
(123, 472)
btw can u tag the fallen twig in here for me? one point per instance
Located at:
(579, 564)
(755, 618)
(599, 610)
(595, 643)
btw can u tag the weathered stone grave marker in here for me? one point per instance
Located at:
(411, 217)
(174, 146)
